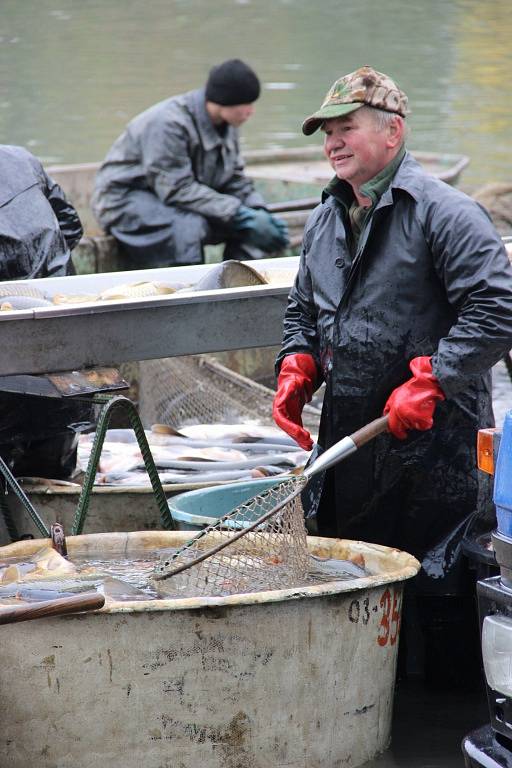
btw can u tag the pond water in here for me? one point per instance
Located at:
(73, 73)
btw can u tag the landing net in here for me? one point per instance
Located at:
(241, 556)
(196, 389)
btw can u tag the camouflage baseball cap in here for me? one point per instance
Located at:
(364, 86)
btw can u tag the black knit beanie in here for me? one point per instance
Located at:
(232, 83)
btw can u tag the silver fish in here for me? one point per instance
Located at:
(339, 569)
(10, 302)
(138, 290)
(54, 587)
(20, 289)
(248, 447)
(249, 463)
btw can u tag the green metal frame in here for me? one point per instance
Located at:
(111, 404)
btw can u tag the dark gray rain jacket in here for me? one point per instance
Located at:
(38, 227)
(174, 151)
(430, 277)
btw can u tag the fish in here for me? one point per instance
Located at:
(117, 589)
(241, 433)
(79, 298)
(48, 575)
(243, 452)
(136, 290)
(47, 562)
(165, 429)
(257, 445)
(33, 591)
(13, 302)
(338, 568)
(229, 274)
(246, 463)
(46, 482)
(21, 289)
(37, 590)
(216, 474)
(279, 276)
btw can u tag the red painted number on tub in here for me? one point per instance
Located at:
(390, 621)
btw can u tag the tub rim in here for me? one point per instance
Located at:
(400, 567)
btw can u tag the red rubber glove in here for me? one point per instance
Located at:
(412, 405)
(295, 385)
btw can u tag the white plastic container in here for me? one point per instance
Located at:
(301, 678)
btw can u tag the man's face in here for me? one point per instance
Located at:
(236, 115)
(355, 147)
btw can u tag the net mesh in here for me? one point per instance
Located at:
(180, 391)
(272, 554)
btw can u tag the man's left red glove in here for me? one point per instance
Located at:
(412, 405)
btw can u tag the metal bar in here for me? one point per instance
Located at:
(124, 332)
(23, 498)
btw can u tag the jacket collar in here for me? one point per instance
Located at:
(210, 137)
(408, 177)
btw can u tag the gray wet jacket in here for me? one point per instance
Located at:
(174, 150)
(429, 276)
(38, 227)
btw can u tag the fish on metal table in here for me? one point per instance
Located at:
(21, 289)
(11, 302)
(142, 289)
(229, 274)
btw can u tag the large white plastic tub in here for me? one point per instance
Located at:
(297, 678)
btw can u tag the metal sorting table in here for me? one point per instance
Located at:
(65, 337)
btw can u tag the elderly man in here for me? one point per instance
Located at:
(399, 274)
(174, 180)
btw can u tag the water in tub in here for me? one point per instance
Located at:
(47, 575)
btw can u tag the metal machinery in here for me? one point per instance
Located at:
(491, 745)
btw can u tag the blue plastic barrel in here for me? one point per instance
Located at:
(194, 510)
(503, 479)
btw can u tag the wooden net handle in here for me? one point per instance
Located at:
(371, 430)
(87, 601)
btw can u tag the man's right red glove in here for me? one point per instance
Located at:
(295, 385)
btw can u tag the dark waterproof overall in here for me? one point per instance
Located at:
(171, 183)
(430, 277)
(38, 229)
